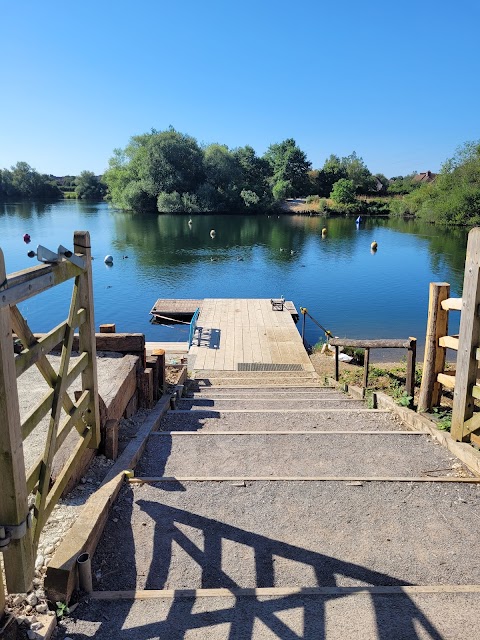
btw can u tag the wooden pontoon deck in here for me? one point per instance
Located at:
(242, 334)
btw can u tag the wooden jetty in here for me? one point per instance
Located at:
(241, 334)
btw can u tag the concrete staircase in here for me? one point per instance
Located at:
(274, 507)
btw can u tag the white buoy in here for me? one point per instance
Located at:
(108, 260)
(190, 222)
(213, 233)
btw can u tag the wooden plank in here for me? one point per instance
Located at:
(469, 338)
(258, 592)
(108, 328)
(25, 284)
(447, 379)
(154, 479)
(18, 558)
(365, 368)
(31, 354)
(371, 344)
(287, 433)
(194, 412)
(449, 342)
(452, 304)
(410, 376)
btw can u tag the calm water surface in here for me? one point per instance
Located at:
(347, 288)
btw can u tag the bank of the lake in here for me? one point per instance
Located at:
(349, 289)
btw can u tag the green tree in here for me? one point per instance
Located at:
(343, 191)
(289, 164)
(358, 172)
(89, 187)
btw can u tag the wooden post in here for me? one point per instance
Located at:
(336, 364)
(18, 557)
(153, 364)
(145, 388)
(111, 439)
(434, 360)
(87, 342)
(365, 368)
(411, 361)
(468, 339)
(108, 328)
(160, 355)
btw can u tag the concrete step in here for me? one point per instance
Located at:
(266, 381)
(220, 404)
(259, 421)
(260, 392)
(204, 373)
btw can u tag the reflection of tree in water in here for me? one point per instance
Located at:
(25, 210)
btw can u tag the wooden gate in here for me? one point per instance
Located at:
(21, 525)
(463, 381)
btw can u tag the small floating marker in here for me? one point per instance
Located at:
(26, 238)
(108, 260)
(374, 246)
(190, 222)
(324, 231)
(213, 233)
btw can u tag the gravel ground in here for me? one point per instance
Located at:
(293, 455)
(264, 421)
(250, 403)
(351, 617)
(210, 535)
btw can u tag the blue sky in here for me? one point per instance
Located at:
(398, 83)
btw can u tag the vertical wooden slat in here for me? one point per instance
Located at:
(2, 596)
(365, 368)
(81, 243)
(58, 394)
(468, 339)
(337, 375)
(434, 360)
(18, 558)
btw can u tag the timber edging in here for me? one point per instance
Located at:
(61, 577)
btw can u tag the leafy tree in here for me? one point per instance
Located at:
(89, 187)
(357, 171)
(454, 197)
(281, 189)
(331, 172)
(21, 181)
(343, 191)
(224, 174)
(289, 163)
(255, 177)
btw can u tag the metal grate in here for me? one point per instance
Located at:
(258, 366)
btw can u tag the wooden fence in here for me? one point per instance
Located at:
(20, 526)
(462, 381)
(410, 345)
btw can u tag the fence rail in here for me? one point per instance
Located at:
(20, 526)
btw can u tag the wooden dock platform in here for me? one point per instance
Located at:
(247, 334)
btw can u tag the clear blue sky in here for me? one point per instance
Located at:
(396, 82)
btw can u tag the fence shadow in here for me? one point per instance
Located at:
(176, 618)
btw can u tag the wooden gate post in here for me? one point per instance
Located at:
(18, 557)
(434, 360)
(411, 361)
(468, 339)
(86, 336)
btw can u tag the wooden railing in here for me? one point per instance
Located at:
(410, 344)
(462, 381)
(20, 527)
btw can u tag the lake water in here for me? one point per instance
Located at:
(347, 288)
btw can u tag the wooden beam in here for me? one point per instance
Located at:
(469, 339)
(18, 557)
(108, 328)
(434, 359)
(452, 304)
(86, 339)
(257, 592)
(286, 433)
(154, 479)
(25, 284)
(449, 342)
(447, 379)
(411, 363)
(194, 412)
(365, 368)
(371, 344)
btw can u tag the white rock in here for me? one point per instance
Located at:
(28, 608)
(36, 626)
(32, 599)
(21, 619)
(41, 608)
(49, 550)
(39, 562)
(18, 600)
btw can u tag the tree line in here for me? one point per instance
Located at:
(169, 172)
(25, 183)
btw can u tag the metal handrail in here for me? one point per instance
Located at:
(193, 326)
